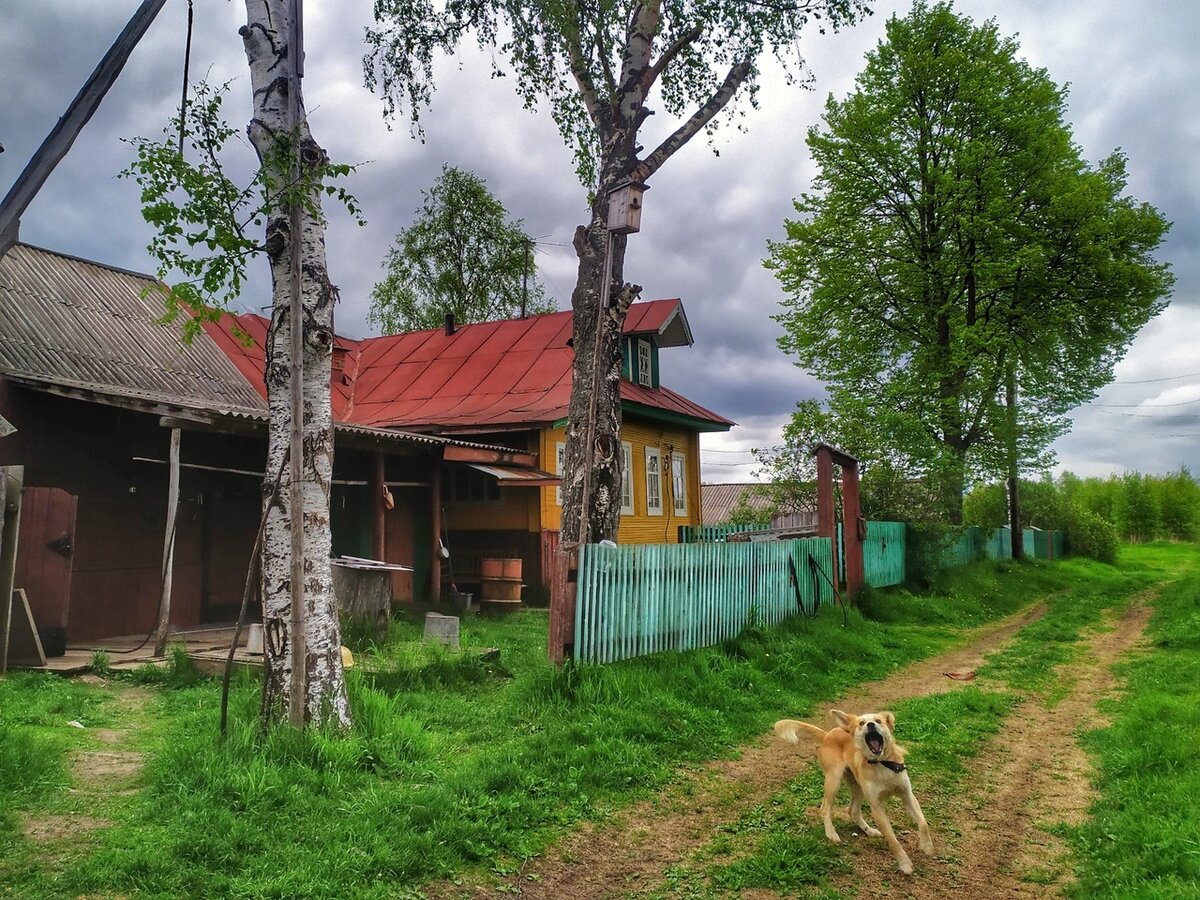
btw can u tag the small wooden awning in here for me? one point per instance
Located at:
(513, 476)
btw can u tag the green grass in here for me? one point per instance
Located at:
(1144, 836)
(457, 763)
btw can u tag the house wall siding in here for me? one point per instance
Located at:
(639, 528)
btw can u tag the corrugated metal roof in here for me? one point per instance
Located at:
(80, 324)
(717, 501)
(491, 375)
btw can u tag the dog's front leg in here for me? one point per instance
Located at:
(881, 819)
(856, 802)
(924, 841)
(833, 779)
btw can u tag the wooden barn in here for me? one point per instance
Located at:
(96, 387)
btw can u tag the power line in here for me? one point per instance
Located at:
(1154, 380)
(1140, 406)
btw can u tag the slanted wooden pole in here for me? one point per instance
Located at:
(168, 565)
(63, 135)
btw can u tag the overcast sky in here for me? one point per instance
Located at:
(1132, 68)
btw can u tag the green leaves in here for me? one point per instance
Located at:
(956, 240)
(202, 218)
(462, 255)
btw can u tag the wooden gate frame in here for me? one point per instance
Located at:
(856, 525)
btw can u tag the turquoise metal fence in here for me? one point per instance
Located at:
(638, 599)
(974, 543)
(696, 534)
(883, 553)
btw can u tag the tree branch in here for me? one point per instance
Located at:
(583, 78)
(689, 129)
(651, 74)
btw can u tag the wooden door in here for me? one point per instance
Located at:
(44, 552)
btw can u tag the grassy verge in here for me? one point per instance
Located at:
(456, 762)
(1144, 837)
(35, 740)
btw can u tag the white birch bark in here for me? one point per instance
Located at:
(266, 41)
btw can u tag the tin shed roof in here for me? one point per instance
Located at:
(485, 376)
(74, 323)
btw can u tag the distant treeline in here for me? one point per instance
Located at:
(1096, 513)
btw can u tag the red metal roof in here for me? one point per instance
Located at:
(489, 375)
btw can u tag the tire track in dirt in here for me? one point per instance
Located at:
(98, 775)
(993, 840)
(629, 853)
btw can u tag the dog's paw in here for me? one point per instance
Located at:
(926, 845)
(872, 832)
(834, 836)
(906, 865)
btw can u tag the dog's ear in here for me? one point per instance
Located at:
(844, 720)
(889, 719)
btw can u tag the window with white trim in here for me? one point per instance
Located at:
(560, 465)
(645, 375)
(626, 478)
(679, 483)
(654, 504)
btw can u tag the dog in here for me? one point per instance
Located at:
(862, 751)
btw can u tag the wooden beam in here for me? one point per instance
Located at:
(379, 493)
(164, 605)
(497, 457)
(63, 135)
(435, 557)
(11, 484)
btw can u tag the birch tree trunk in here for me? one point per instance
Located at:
(265, 36)
(596, 374)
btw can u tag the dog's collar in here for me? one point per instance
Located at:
(888, 764)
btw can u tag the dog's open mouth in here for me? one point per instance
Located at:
(874, 741)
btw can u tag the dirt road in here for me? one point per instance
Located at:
(992, 845)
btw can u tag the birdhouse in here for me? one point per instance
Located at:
(625, 208)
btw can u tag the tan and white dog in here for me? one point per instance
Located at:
(862, 751)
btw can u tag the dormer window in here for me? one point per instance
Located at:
(644, 366)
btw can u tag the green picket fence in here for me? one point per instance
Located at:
(638, 599)
(975, 543)
(703, 534)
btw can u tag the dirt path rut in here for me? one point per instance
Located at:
(996, 840)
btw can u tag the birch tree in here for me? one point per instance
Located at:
(601, 67)
(266, 40)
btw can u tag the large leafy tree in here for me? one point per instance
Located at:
(461, 256)
(601, 67)
(957, 249)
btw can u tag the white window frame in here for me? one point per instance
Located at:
(560, 463)
(626, 478)
(645, 363)
(679, 483)
(654, 498)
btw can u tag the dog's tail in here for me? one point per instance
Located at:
(789, 730)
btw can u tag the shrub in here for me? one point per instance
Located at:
(1091, 536)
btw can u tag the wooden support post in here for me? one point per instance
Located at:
(11, 484)
(379, 509)
(852, 522)
(168, 565)
(826, 514)
(435, 556)
(562, 604)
